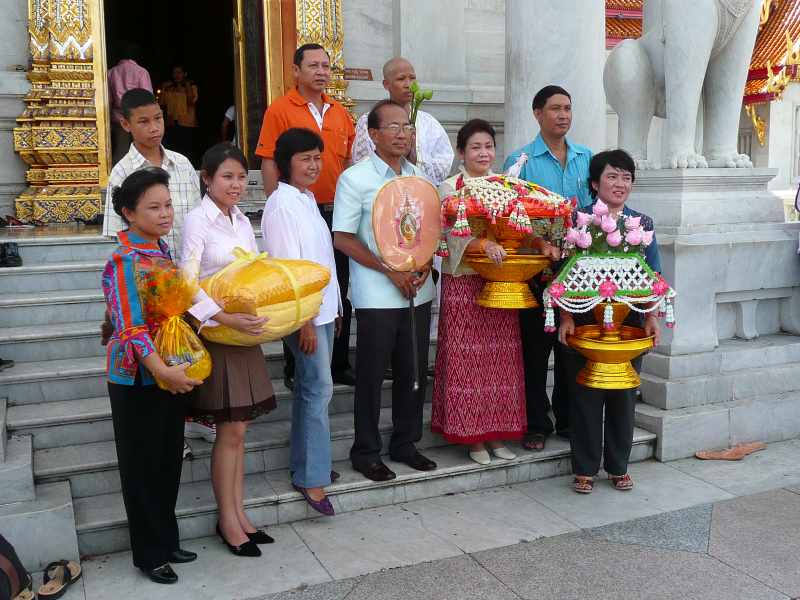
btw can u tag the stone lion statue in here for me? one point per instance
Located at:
(690, 67)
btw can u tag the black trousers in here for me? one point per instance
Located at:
(536, 347)
(384, 339)
(148, 430)
(341, 345)
(592, 436)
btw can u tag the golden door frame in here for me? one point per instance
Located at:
(63, 135)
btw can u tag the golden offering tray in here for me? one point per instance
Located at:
(609, 351)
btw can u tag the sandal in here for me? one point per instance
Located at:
(58, 576)
(534, 441)
(622, 483)
(583, 484)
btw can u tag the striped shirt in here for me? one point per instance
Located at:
(184, 187)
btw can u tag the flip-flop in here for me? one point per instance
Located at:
(534, 441)
(738, 452)
(58, 576)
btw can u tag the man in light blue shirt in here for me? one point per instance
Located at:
(380, 297)
(561, 166)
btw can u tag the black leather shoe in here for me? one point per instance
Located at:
(249, 548)
(162, 574)
(334, 476)
(388, 374)
(288, 381)
(417, 461)
(344, 377)
(182, 556)
(376, 472)
(260, 537)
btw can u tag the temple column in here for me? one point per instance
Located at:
(559, 42)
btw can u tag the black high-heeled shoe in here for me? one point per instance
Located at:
(249, 548)
(260, 536)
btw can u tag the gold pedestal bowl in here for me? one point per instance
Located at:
(506, 284)
(609, 351)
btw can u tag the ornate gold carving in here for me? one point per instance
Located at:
(766, 10)
(320, 21)
(759, 125)
(57, 134)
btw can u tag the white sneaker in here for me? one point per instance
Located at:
(197, 428)
(504, 453)
(187, 451)
(481, 457)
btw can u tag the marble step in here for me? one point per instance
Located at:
(92, 469)
(270, 499)
(16, 471)
(82, 339)
(49, 277)
(54, 380)
(75, 244)
(43, 529)
(44, 308)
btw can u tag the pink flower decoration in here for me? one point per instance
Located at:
(632, 223)
(583, 219)
(608, 288)
(647, 237)
(634, 236)
(600, 208)
(614, 238)
(572, 236)
(596, 219)
(660, 287)
(584, 240)
(608, 223)
(557, 290)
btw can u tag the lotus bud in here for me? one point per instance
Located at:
(634, 237)
(632, 223)
(584, 240)
(572, 236)
(647, 237)
(608, 223)
(600, 208)
(583, 219)
(614, 238)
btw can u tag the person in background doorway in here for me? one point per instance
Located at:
(228, 131)
(126, 75)
(179, 99)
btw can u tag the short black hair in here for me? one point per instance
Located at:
(616, 158)
(218, 154)
(544, 94)
(298, 54)
(469, 129)
(135, 98)
(374, 117)
(134, 186)
(129, 50)
(291, 142)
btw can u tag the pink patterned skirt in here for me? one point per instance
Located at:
(479, 387)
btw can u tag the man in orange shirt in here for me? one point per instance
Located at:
(307, 105)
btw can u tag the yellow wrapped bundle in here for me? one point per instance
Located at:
(166, 296)
(287, 292)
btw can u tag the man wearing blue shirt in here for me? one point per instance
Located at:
(380, 297)
(561, 166)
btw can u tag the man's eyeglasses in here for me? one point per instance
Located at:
(395, 128)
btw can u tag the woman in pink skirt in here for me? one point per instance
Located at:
(479, 387)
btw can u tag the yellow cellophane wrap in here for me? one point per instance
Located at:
(287, 292)
(166, 295)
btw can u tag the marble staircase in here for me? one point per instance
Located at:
(59, 482)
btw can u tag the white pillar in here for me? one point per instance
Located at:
(559, 42)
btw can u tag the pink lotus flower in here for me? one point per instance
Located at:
(557, 290)
(596, 219)
(647, 237)
(608, 223)
(634, 236)
(600, 208)
(660, 287)
(614, 238)
(608, 288)
(632, 223)
(583, 219)
(572, 236)
(584, 240)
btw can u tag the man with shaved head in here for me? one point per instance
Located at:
(430, 149)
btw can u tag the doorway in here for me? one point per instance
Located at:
(196, 35)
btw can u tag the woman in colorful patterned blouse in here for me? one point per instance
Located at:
(150, 457)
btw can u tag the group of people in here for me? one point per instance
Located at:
(321, 175)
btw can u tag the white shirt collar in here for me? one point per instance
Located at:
(138, 160)
(213, 212)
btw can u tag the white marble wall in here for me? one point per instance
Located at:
(13, 87)
(782, 142)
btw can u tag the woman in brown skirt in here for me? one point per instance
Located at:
(239, 388)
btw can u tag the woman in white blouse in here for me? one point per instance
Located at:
(239, 388)
(294, 228)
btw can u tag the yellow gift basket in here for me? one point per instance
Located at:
(287, 292)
